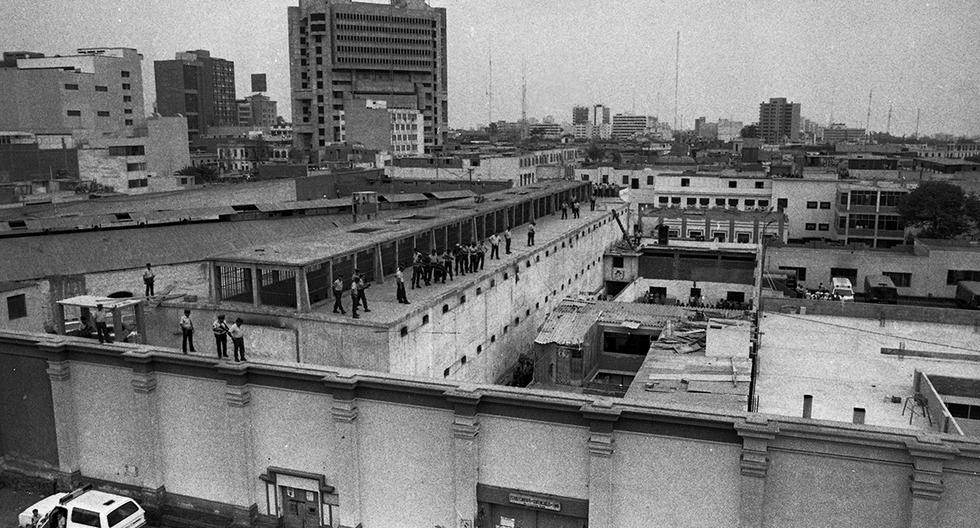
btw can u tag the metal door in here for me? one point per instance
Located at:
(300, 508)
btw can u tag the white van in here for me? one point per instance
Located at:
(842, 289)
(85, 508)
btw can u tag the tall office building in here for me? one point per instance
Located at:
(199, 87)
(343, 53)
(625, 126)
(257, 111)
(580, 115)
(779, 121)
(97, 91)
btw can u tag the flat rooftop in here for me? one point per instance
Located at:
(838, 361)
(386, 311)
(317, 248)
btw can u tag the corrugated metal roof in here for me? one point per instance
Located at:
(568, 323)
(452, 195)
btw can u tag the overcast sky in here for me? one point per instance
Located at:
(824, 55)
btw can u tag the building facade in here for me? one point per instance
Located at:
(199, 87)
(344, 51)
(378, 125)
(779, 121)
(841, 133)
(96, 91)
(257, 111)
(625, 126)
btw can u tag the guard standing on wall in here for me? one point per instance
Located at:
(187, 332)
(238, 339)
(530, 234)
(355, 298)
(220, 329)
(400, 286)
(507, 241)
(100, 324)
(148, 277)
(494, 246)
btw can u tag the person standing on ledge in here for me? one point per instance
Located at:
(220, 329)
(494, 246)
(400, 286)
(530, 234)
(355, 298)
(148, 277)
(187, 332)
(238, 339)
(100, 324)
(361, 286)
(338, 295)
(564, 210)
(507, 241)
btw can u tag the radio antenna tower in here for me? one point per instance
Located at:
(917, 113)
(888, 128)
(524, 99)
(677, 69)
(490, 93)
(867, 126)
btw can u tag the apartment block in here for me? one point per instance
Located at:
(199, 87)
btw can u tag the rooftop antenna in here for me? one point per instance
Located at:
(524, 99)
(833, 98)
(867, 126)
(888, 128)
(677, 66)
(490, 93)
(917, 113)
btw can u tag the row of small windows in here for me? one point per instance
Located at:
(817, 227)
(387, 19)
(814, 205)
(98, 88)
(384, 51)
(705, 202)
(383, 40)
(379, 29)
(380, 61)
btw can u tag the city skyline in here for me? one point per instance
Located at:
(826, 56)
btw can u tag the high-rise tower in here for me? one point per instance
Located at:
(346, 53)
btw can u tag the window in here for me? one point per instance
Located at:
(865, 198)
(74, 113)
(617, 262)
(760, 185)
(121, 513)
(800, 272)
(901, 280)
(127, 98)
(462, 299)
(810, 226)
(825, 205)
(889, 223)
(128, 122)
(685, 182)
(403, 331)
(954, 276)
(842, 222)
(103, 113)
(861, 221)
(126, 86)
(124, 73)
(134, 167)
(649, 180)
(890, 199)
(823, 227)
(733, 202)
(847, 273)
(635, 184)
(782, 203)
(85, 517)
(626, 179)
(128, 111)
(763, 203)
(742, 237)
(732, 184)
(843, 198)
(691, 202)
(16, 306)
(71, 87)
(749, 203)
(127, 150)
(704, 202)
(695, 234)
(675, 200)
(425, 319)
(811, 205)
(720, 202)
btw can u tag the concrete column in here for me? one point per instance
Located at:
(379, 270)
(302, 291)
(256, 286)
(241, 448)
(215, 282)
(147, 428)
(756, 432)
(602, 417)
(928, 456)
(466, 454)
(344, 413)
(66, 427)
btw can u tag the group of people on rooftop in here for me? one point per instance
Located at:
(221, 331)
(358, 284)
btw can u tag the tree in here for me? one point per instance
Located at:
(750, 131)
(201, 174)
(940, 209)
(595, 153)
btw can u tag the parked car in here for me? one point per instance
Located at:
(85, 508)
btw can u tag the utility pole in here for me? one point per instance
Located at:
(917, 113)
(677, 77)
(523, 99)
(490, 94)
(888, 128)
(867, 126)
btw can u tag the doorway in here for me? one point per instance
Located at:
(301, 508)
